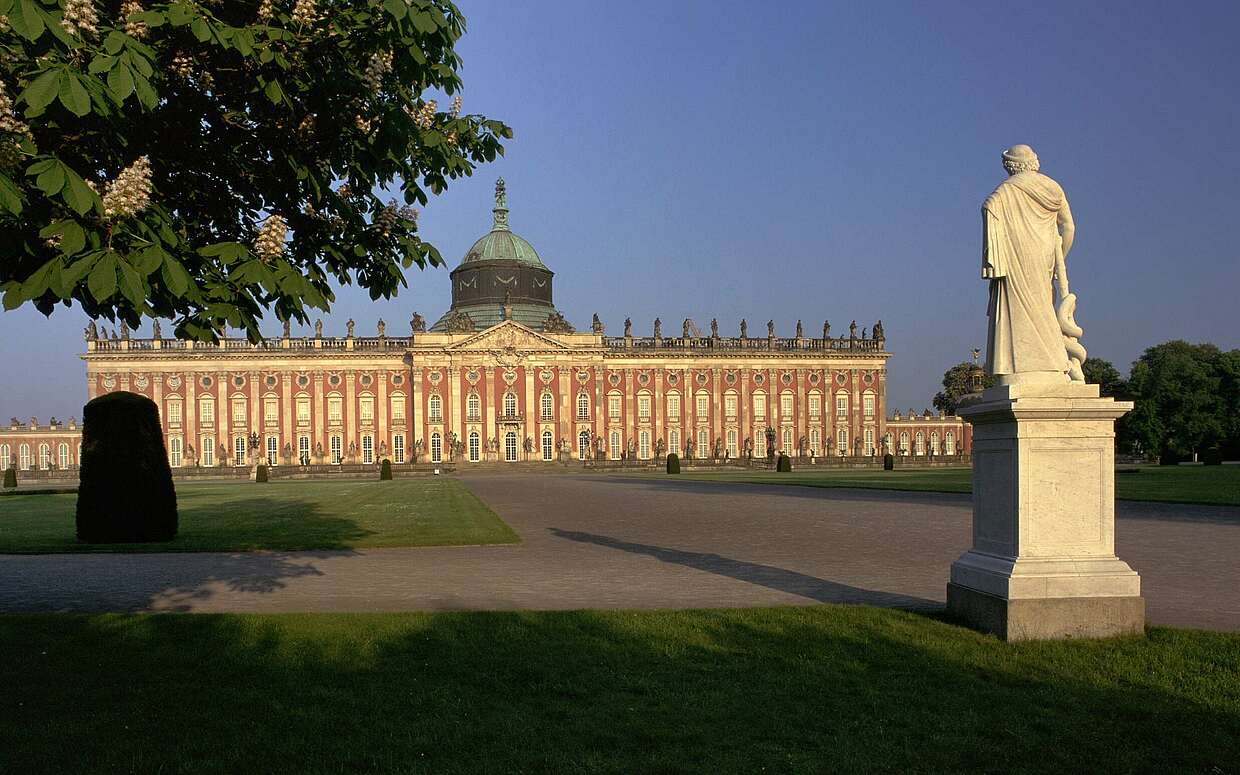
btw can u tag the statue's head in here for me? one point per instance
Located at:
(1020, 158)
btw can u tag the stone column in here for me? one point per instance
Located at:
(1043, 561)
(415, 408)
(319, 418)
(288, 423)
(349, 418)
(383, 433)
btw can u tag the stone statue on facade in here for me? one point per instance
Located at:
(658, 328)
(124, 330)
(222, 456)
(685, 328)
(852, 330)
(714, 328)
(744, 329)
(288, 329)
(770, 329)
(506, 310)
(528, 444)
(632, 448)
(826, 329)
(878, 331)
(156, 333)
(557, 324)
(417, 324)
(628, 327)
(688, 449)
(718, 452)
(348, 328)
(92, 331)
(864, 333)
(800, 331)
(417, 449)
(458, 322)
(596, 325)
(1028, 230)
(659, 447)
(381, 328)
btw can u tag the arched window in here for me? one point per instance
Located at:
(436, 408)
(473, 408)
(398, 407)
(368, 449)
(510, 404)
(949, 443)
(62, 453)
(337, 450)
(510, 445)
(366, 408)
(920, 441)
(815, 404)
(173, 413)
(673, 442)
(303, 409)
(583, 406)
(273, 450)
(6, 457)
(867, 403)
(733, 449)
(869, 441)
(45, 457)
(546, 406)
(730, 404)
(903, 442)
(614, 400)
(271, 410)
(841, 441)
(23, 457)
(934, 442)
(643, 445)
(206, 410)
(815, 442)
(239, 410)
(759, 405)
(703, 405)
(303, 450)
(759, 444)
(673, 407)
(583, 445)
(436, 448)
(841, 404)
(547, 444)
(398, 448)
(643, 406)
(174, 451)
(475, 443)
(703, 443)
(615, 445)
(335, 409)
(785, 405)
(239, 451)
(206, 458)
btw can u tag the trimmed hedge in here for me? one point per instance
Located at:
(10, 478)
(260, 473)
(385, 470)
(125, 494)
(889, 462)
(784, 464)
(673, 463)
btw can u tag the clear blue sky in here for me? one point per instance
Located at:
(802, 160)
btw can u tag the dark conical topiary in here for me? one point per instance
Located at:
(784, 464)
(10, 478)
(125, 493)
(385, 470)
(260, 473)
(673, 463)
(889, 462)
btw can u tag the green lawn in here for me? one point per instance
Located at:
(1211, 485)
(281, 515)
(823, 688)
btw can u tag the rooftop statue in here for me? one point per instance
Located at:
(92, 331)
(557, 324)
(744, 329)
(1027, 232)
(658, 328)
(852, 330)
(288, 329)
(318, 329)
(826, 329)
(156, 333)
(596, 325)
(878, 330)
(348, 328)
(458, 322)
(770, 329)
(628, 327)
(714, 328)
(417, 324)
(381, 327)
(800, 331)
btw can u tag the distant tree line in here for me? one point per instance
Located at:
(1186, 396)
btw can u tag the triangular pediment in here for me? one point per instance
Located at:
(506, 336)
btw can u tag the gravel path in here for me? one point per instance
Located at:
(613, 542)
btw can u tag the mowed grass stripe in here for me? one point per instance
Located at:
(282, 515)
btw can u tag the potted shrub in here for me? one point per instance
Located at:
(673, 463)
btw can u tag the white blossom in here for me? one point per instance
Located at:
(133, 27)
(80, 18)
(456, 106)
(270, 243)
(130, 193)
(304, 12)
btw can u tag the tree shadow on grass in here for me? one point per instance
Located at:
(792, 582)
(797, 689)
(794, 490)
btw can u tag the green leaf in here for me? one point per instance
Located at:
(175, 277)
(102, 280)
(201, 29)
(396, 7)
(13, 297)
(51, 180)
(36, 284)
(77, 194)
(146, 94)
(114, 42)
(74, 272)
(120, 81)
(73, 95)
(102, 63)
(42, 90)
(26, 20)
(424, 22)
(10, 195)
(149, 259)
(274, 92)
(132, 286)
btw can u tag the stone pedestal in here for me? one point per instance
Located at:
(1043, 561)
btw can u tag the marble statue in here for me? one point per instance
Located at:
(1027, 231)
(800, 331)
(826, 329)
(628, 327)
(744, 329)
(157, 334)
(852, 330)
(318, 329)
(770, 329)
(714, 328)
(658, 328)
(417, 324)
(348, 328)
(381, 327)
(596, 325)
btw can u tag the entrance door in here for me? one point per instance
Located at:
(510, 447)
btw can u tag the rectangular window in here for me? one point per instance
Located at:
(673, 407)
(841, 406)
(613, 407)
(473, 409)
(368, 449)
(174, 452)
(271, 411)
(729, 405)
(336, 450)
(303, 450)
(398, 448)
(334, 409)
(436, 409)
(273, 450)
(206, 411)
(303, 410)
(815, 405)
(239, 451)
(759, 406)
(867, 403)
(643, 407)
(367, 408)
(785, 406)
(174, 413)
(703, 404)
(208, 451)
(398, 409)
(238, 411)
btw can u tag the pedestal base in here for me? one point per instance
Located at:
(1047, 617)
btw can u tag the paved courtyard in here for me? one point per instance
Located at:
(611, 542)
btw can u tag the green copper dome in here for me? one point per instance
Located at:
(500, 244)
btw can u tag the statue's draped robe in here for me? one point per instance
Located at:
(1021, 246)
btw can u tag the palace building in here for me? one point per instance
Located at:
(502, 377)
